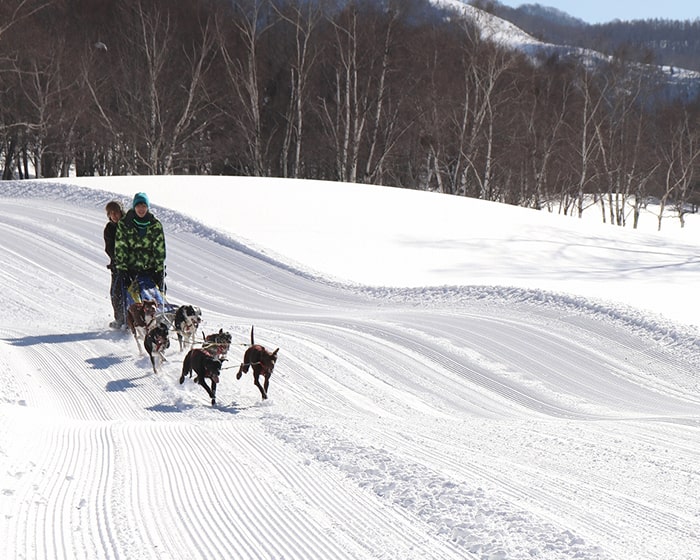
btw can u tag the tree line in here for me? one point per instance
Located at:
(660, 41)
(386, 92)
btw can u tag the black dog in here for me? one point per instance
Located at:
(262, 361)
(187, 321)
(155, 343)
(205, 367)
(217, 344)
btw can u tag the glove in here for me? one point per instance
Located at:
(158, 277)
(126, 277)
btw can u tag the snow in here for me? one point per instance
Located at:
(456, 379)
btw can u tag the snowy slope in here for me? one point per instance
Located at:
(482, 421)
(510, 36)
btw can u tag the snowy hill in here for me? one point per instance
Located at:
(410, 416)
(679, 81)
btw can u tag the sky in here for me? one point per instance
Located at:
(456, 379)
(602, 11)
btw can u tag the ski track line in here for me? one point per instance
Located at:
(241, 497)
(580, 359)
(532, 482)
(439, 360)
(460, 513)
(590, 363)
(370, 361)
(253, 289)
(162, 474)
(362, 514)
(593, 497)
(59, 495)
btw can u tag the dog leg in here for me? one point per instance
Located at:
(186, 367)
(153, 364)
(138, 344)
(211, 393)
(256, 381)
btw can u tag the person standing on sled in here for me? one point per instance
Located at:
(139, 247)
(115, 212)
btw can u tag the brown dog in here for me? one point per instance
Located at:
(262, 362)
(141, 318)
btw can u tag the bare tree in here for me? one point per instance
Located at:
(549, 98)
(681, 157)
(153, 98)
(303, 19)
(13, 12)
(251, 21)
(345, 115)
(484, 92)
(585, 140)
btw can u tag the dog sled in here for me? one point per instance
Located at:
(143, 288)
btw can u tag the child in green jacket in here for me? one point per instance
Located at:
(139, 245)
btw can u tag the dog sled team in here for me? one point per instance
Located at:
(135, 244)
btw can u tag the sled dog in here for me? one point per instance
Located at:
(141, 318)
(262, 362)
(205, 367)
(186, 322)
(155, 343)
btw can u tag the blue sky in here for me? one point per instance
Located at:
(600, 11)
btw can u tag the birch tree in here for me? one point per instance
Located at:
(304, 20)
(252, 21)
(155, 95)
(680, 155)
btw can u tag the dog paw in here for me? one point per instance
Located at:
(182, 379)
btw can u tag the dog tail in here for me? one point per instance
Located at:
(252, 339)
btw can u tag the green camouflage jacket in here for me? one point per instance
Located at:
(139, 245)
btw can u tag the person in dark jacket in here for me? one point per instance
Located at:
(115, 212)
(139, 245)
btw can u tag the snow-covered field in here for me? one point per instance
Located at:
(456, 379)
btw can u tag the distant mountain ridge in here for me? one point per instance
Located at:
(663, 42)
(548, 13)
(513, 28)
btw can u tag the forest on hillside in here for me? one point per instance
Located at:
(385, 92)
(655, 41)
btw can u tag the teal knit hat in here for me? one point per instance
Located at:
(141, 198)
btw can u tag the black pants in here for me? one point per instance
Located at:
(116, 293)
